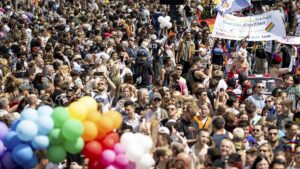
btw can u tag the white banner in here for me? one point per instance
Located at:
(290, 40)
(264, 27)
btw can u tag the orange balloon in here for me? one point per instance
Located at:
(93, 116)
(105, 124)
(116, 117)
(90, 131)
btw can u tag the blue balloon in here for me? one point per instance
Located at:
(29, 114)
(2, 148)
(40, 142)
(3, 130)
(27, 130)
(45, 124)
(33, 162)
(15, 124)
(22, 154)
(45, 110)
(11, 140)
(7, 161)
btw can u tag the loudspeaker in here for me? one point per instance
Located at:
(172, 2)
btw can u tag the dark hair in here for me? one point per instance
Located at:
(231, 101)
(219, 122)
(243, 123)
(272, 128)
(257, 160)
(296, 79)
(129, 103)
(289, 124)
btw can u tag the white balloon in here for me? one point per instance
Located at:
(160, 19)
(145, 141)
(127, 139)
(169, 25)
(145, 162)
(162, 26)
(134, 152)
(168, 18)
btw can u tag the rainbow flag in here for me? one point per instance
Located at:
(270, 27)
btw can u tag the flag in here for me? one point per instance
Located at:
(228, 6)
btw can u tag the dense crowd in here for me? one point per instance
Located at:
(187, 90)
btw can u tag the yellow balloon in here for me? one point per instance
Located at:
(93, 116)
(77, 110)
(90, 103)
(116, 117)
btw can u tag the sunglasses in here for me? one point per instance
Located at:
(260, 87)
(273, 133)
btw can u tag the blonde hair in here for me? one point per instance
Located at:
(230, 143)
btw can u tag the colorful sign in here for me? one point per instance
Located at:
(264, 27)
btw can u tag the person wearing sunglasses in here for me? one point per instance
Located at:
(258, 97)
(273, 139)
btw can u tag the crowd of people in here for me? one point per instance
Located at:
(187, 90)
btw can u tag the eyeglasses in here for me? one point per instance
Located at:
(170, 109)
(273, 133)
(101, 83)
(260, 87)
(269, 101)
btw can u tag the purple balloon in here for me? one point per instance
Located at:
(2, 148)
(131, 165)
(108, 157)
(3, 130)
(8, 162)
(119, 149)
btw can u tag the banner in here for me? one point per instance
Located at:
(290, 40)
(264, 27)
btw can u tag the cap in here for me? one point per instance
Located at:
(77, 57)
(277, 58)
(156, 96)
(164, 130)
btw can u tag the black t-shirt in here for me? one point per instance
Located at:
(188, 11)
(142, 74)
(190, 129)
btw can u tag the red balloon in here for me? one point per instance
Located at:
(95, 165)
(92, 150)
(115, 136)
(108, 143)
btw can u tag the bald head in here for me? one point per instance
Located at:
(185, 158)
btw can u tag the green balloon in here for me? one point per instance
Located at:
(56, 137)
(74, 147)
(72, 129)
(60, 115)
(56, 153)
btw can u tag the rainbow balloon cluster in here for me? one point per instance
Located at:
(78, 128)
